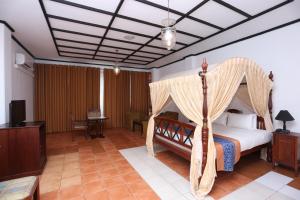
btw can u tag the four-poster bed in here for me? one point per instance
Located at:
(176, 136)
(203, 100)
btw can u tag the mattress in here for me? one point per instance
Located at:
(248, 138)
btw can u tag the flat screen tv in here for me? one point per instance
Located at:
(17, 112)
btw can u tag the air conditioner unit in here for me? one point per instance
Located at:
(21, 63)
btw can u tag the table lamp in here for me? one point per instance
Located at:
(284, 116)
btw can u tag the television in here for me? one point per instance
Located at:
(17, 112)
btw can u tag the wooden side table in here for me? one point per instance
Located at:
(285, 150)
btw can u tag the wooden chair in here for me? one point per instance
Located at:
(78, 125)
(92, 125)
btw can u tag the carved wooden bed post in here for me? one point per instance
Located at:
(204, 112)
(270, 103)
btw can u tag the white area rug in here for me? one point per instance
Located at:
(169, 185)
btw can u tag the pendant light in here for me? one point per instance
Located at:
(116, 67)
(168, 33)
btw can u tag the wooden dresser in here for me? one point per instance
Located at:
(22, 150)
(286, 150)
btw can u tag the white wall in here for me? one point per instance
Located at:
(2, 74)
(22, 81)
(15, 84)
(278, 51)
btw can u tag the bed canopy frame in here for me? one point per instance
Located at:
(202, 170)
(159, 122)
(260, 120)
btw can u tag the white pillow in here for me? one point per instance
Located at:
(222, 119)
(245, 121)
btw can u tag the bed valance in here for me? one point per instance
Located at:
(203, 99)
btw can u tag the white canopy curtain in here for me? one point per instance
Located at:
(187, 93)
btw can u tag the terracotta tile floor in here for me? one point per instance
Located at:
(246, 170)
(92, 169)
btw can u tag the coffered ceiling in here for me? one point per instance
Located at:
(125, 31)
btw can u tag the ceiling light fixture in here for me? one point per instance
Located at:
(168, 33)
(116, 68)
(129, 37)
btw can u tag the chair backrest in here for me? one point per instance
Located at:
(93, 113)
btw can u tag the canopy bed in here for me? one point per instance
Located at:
(203, 99)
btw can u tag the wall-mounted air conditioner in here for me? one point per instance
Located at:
(22, 64)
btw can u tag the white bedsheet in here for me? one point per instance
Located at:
(247, 138)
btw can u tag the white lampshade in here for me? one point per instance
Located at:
(117, 69)
(168, 37)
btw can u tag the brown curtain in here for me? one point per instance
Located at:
(116, 97)
(93, 88)
(64, 91)
(140, 94)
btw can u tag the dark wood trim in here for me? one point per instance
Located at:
(127, 17)
(48, 23)
(108, 38)
(178, 13)
(109, 26)
(231, 7)
(228, 28)
(72, 47)
(126, 54)
(205, 130)
(254, 149)
(22, 46)
(83, 7)
(86, 54)
(7, 25)
(221, 46)
(75, 41)
(87, 63)
(187, 15)
(75, 32)
(270, 103)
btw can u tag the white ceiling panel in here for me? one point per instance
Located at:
(224, 18)
(139, 58)
(254, 6)
(135, 61)
(111, 49)
(72, 12)
(75, 44)
(76, 37)
(99, 4)
(144, 12)
(76, 55)
(120, 44)
(76, 27)
(112, 59)
(179, 5)
(120, 36)
(76, 50)
(111, 54)
(146, 54)
(155, 50)
(195, 28)
(135, 27)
